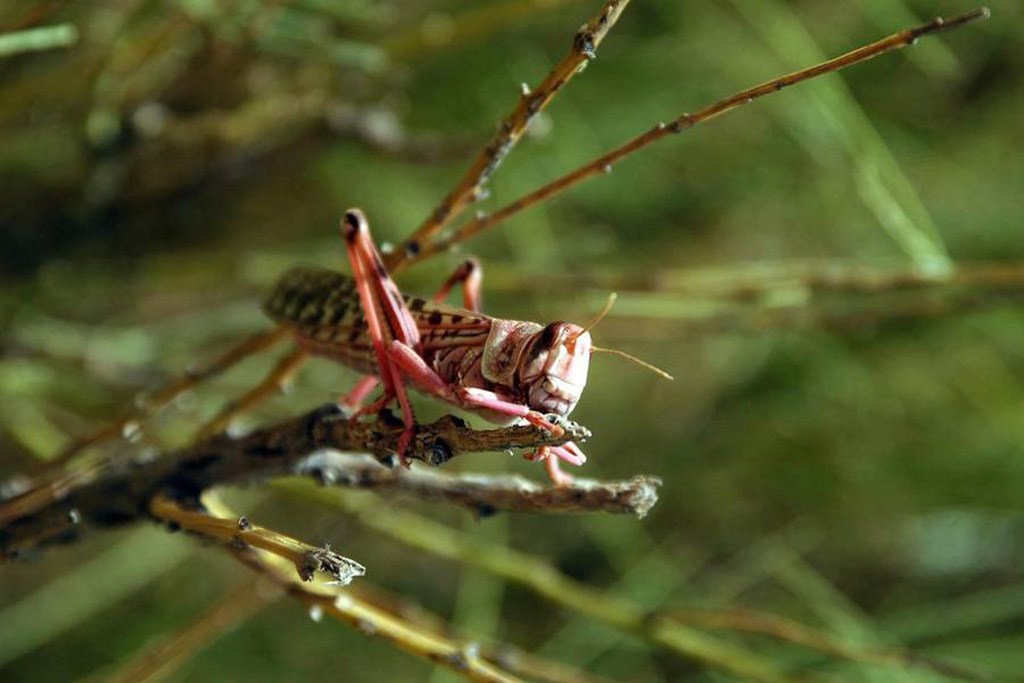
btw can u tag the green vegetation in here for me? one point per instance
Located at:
(833, 275)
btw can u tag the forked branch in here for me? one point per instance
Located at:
(604, 163)
(471, 186)
(123, 493)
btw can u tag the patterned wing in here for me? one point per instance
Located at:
(322, 307)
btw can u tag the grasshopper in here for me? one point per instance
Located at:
(507, 371)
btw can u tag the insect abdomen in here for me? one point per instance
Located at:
(314, 298)
(322, 308)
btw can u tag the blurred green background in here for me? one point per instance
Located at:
(839, 448)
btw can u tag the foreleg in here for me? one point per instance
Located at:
(470, 276)
(411, 365)
(482, 398)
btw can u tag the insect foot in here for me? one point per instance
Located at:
(577, 431)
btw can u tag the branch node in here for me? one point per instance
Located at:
(583, 42)
(339, 567)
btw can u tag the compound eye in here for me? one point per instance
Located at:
(548, 335)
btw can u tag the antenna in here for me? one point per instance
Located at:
(604, 311)
(642, 363)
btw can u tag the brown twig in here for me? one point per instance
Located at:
(157, 661)
(121, 491)
(276, 381)
(155, 401)
(487, 494)
(604, 163)
(274, 557)
(462, 658)
(471, 186)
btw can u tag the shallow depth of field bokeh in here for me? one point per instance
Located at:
(850, 458)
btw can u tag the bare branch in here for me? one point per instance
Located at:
(486, 494)
(241, 533)
(604, 163)
(119, 492)
(462, 658)
(471, 186)
(158, 660)
(149, 404)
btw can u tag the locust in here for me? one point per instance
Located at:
(506, 371)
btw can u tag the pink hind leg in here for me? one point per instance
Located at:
(470, 275)
(387, 318)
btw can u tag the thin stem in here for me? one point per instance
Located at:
(276, 381)
(540, 577)
(159, 660)
(463, 659)
(604, 163)
(504, 656)
(153, 402)
(241, 533)
(38, 39)
(471, 186)
(486, 494)
(421, 632)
